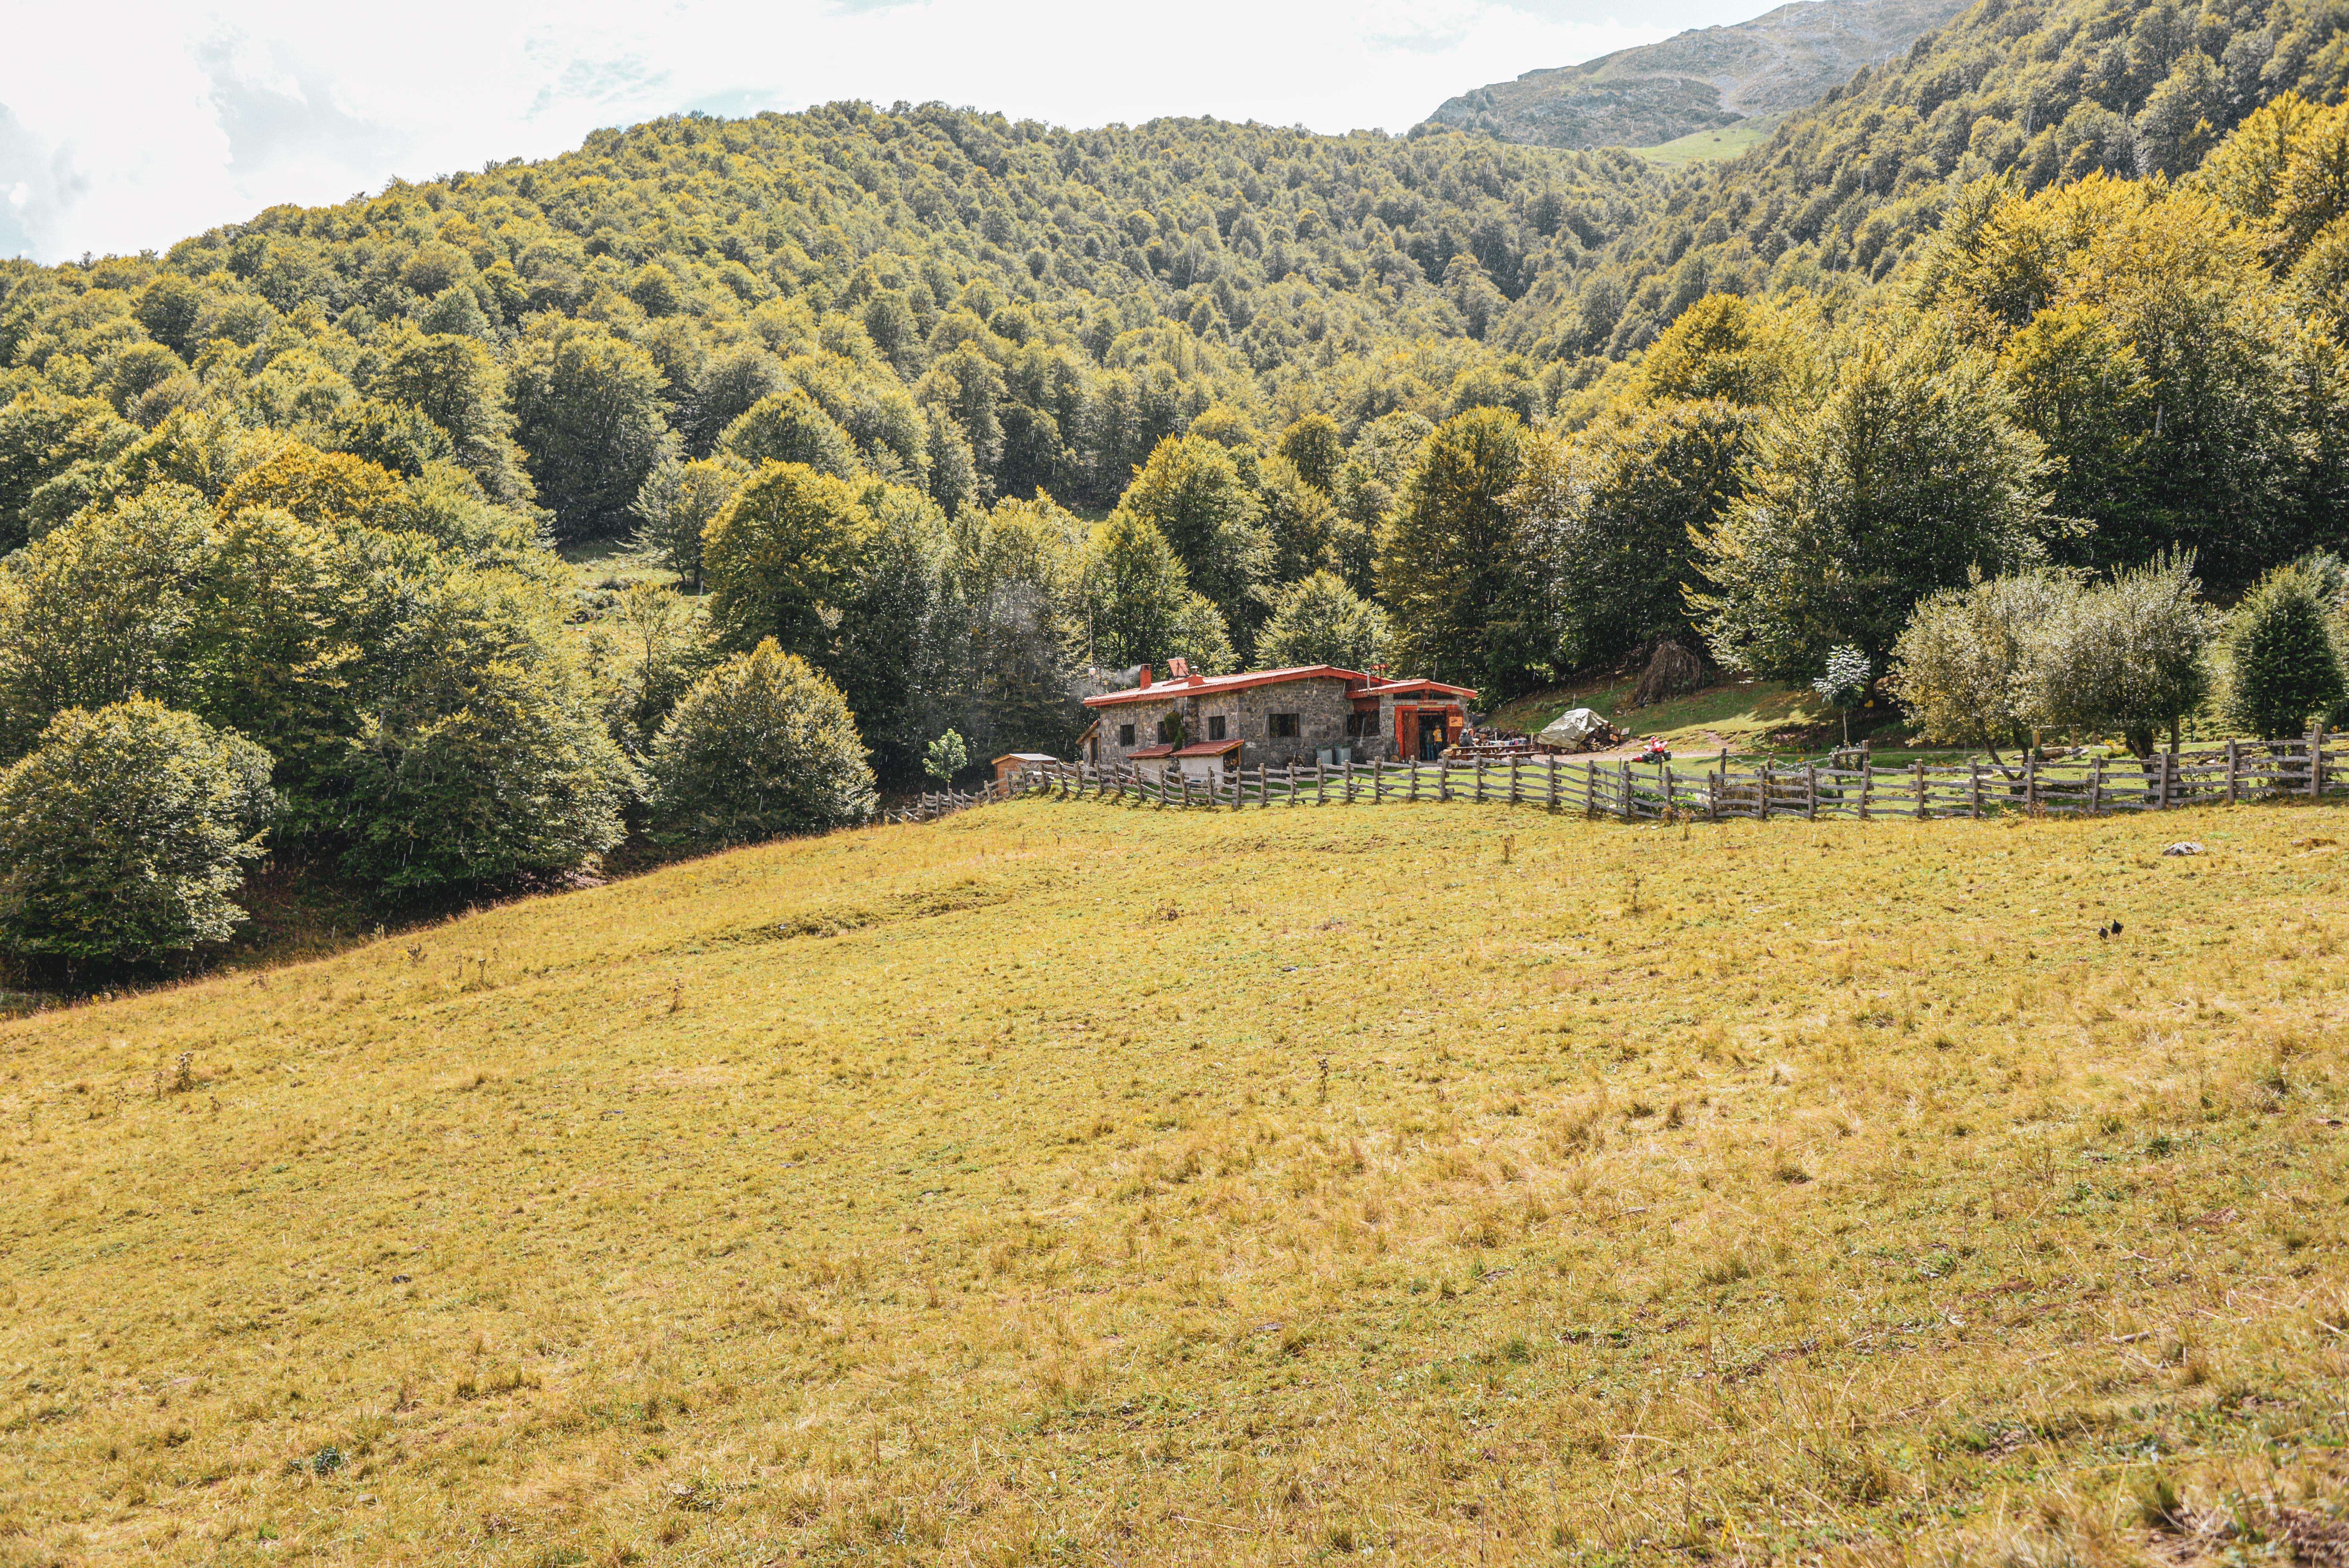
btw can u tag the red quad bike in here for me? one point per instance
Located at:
(1656, 751)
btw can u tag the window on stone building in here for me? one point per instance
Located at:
(1282, 726)
(1360, 724)
(1125, 735)
(1215, 726)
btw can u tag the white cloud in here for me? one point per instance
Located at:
(130, 127)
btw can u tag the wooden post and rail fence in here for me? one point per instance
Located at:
(1716, 789)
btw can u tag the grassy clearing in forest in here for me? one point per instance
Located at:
(1710, 146)
(1070, 1181)
(1741, 713)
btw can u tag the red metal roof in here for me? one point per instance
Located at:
(1382, 687)
(1150, 751)
(1198, 684)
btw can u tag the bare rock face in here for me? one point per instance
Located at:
(1672, 672)
(1701, 80)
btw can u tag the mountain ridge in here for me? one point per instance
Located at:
(1700, 79)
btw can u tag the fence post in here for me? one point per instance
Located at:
(1664, 779)
(1410, 790)
(1551, 762)
(1348, 791)
(2316, 761)
(1765, 790)
(2096, 787)
(2169, 779)
(1515, 793)
(1480, 780)
(1627, 791)
(1811, 789)
(1973, 786)
(2030, 782)
(2230, 771)
(1720, 782)
(1378, 779)
(1590, 789)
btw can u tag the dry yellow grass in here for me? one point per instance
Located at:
(1067, 1182)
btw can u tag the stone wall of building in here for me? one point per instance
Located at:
(1321, 705)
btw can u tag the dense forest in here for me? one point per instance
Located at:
(936, 421)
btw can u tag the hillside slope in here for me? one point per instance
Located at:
(1699, 79)
(2039, 91)
(1006, 1190)
(1059, 299)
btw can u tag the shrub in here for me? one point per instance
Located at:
(2129, 655)
(761, 745)
(123, 833)
(1982, 665)
(1845, 686)
(1964, 667)
(947, 756)
(2286, 660)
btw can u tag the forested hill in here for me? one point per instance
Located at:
(989, 307)
(2042, 92)
(1068, 297)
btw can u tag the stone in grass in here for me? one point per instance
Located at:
(2184, 847)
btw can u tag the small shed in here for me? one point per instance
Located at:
(1014, 762)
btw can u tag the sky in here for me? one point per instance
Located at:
(128, 127)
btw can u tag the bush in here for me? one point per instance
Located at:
(1964, 666)
(1982, 665)
(2286, 656)
(2129, 655)
(123, 833)
(947, 756)
(761, 745)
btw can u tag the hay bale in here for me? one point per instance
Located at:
(1672, 672)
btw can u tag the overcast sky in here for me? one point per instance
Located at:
(127, 126)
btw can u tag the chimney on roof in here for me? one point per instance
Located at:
(1178, 669)
(1145, 674)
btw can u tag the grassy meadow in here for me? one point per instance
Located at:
(1710, 146)
(1074, 1182)
(1740, 713)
